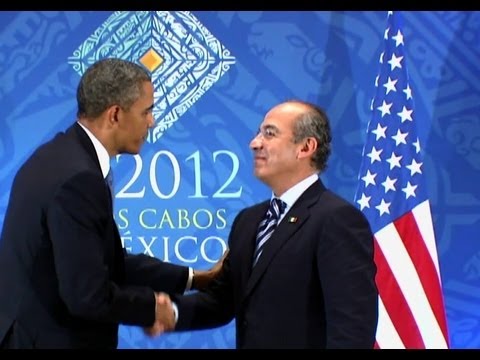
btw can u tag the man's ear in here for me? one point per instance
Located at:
(308, 148)
(112, 114)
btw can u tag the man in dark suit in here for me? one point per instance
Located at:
(65, 280)
(310, 283)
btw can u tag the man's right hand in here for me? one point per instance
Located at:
(164, 316)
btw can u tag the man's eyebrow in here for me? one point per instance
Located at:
(270, 127)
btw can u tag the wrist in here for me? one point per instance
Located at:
(193, 280)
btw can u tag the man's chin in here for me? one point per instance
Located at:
(131, 151)
(259, 174)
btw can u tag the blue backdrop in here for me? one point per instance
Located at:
(216, 73)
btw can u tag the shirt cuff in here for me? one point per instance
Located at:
(175, 311)
(188, 287)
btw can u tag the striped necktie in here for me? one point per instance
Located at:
(267, 226)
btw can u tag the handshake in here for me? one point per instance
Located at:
(164, 316)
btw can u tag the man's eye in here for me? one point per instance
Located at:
(269, 133)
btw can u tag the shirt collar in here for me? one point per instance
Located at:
(102, 153)
(292, 194)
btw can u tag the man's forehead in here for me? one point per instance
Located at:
(278, 120)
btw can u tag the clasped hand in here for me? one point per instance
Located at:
(164, 316)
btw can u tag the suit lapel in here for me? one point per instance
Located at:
(294, 219)
(81, 136)
(249, 234)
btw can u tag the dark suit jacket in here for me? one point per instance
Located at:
(313, 286)
(65, 280)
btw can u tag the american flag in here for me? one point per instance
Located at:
(392, 194)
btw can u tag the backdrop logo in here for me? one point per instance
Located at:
(184, 58)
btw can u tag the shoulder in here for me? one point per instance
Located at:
(52, 163)
(255, 209)
(335, 204)
(250, 213)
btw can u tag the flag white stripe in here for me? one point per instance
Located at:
(423, 218)
(409, 282)
(387, 335)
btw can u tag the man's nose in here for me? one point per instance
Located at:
(151, 121)
(256, 142)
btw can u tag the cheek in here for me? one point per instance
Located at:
(139, 125)
(284, 155)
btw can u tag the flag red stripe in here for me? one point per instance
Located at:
(412, 238)
(395, 303)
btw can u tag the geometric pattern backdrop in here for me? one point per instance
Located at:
(215, 75)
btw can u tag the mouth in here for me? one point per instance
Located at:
(258, 159)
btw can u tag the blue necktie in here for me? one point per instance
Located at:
(109, 181)
(267, 226)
